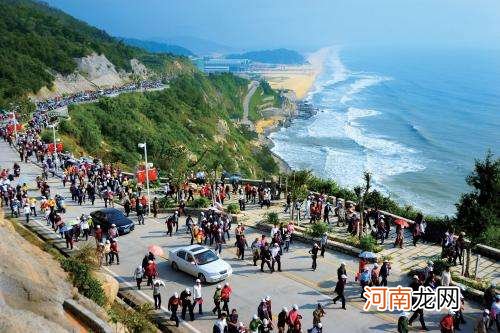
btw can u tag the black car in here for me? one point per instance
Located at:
(108, 216)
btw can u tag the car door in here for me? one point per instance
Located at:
(181, 260)
(191, 266)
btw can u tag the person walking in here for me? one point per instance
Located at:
(187, 304)
(114, 250)
(255, 247)
(384, 273)
(225, 296)
(157, 295)
(255, 325)
(151, 271)
(156, 207)
(314, 255)
(220, 325)
(241, 244)
(339, 289)
(403, 323)
(282, 318)
(173, 305)
(217, 300)
(138, 275)
(322, 243)
(27, 212)
(198, 299)
(447, 323)
(415, 285)
(341, 271)
(318, 313)
(265, 258)
(276, 257)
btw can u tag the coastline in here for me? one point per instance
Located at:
(299, 81)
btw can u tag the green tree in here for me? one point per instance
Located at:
(478, 212)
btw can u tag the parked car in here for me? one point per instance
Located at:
(108, 216)
(200, 262)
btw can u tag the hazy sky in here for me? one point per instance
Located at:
(301, 24)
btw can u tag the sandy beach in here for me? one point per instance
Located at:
(299, 79)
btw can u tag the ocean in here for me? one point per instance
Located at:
(415, 118)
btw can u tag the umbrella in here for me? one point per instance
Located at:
(156, 250)
(72, 222)
(367, 255)
(402, 223)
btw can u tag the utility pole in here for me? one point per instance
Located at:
(144, 146)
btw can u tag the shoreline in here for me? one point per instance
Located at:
(300, 83)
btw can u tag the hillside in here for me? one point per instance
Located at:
(189, 121)
(158, 47)
(277, 56)
(39, 43)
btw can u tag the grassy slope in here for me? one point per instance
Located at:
(187, 114)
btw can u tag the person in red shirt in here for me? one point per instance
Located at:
(225, 294)
(151, 272)
(114, 249)
(447, 323)
(98, 234)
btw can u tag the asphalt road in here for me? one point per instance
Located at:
(297, 284)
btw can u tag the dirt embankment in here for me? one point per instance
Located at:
(93, 72)
(33, 286)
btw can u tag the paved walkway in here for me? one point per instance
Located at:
(296, 284)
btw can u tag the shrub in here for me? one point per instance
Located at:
(233, 208)
(80, 274)
(134, 321)
(166, 202)
(272, 218)
(317, 229)
(439, 265)
(368, 243)
(201, 202)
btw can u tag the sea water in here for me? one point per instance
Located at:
(415, 118)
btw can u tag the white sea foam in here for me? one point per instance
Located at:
(360, 84)
(334, 71)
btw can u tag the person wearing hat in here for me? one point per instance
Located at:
(403, 323)
(100, 253)
(314, 255)
(157, 294)
(339, 289)
(198, 299)
(217, 300)
(262, 310)
(114, 250)
(225, 295)
(275, 257)
(293, 316)
(447, 323)
(282, 319)
(173, 305)
(187, 304)
(98, 234)
(112, 232)
(269, 307)
(151, 272)
(107, 252)
(255, 325)
(138, 275)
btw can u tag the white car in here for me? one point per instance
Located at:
(200, 262)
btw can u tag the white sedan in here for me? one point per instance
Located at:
(200, 262)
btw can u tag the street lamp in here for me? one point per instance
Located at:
(143, 145)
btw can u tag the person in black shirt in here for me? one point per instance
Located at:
(314, 255)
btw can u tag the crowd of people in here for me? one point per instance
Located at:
(93, 95)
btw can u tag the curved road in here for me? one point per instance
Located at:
(252, 87)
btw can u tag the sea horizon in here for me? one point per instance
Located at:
(410, 125)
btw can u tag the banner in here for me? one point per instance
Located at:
(141, 175)
(59, 146)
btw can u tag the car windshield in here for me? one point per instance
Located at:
(205, 257)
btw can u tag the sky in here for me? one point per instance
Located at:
(299, 24)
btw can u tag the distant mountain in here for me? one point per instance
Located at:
(277, 56)
(158, 47)
(197, 45)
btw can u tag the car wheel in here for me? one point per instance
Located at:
(202, 278)
(175, 267)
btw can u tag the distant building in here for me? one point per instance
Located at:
(222, 65)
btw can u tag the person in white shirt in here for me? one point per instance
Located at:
(220, 324)
(446, 277)
(197, 295)
(27, 212)
(274, 230)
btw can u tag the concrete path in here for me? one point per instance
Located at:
(252, 87)
(296, 284)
